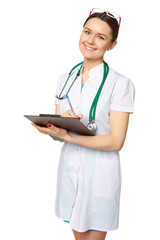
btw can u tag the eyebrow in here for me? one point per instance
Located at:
(97, 33)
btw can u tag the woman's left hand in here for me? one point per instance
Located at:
(52, 130)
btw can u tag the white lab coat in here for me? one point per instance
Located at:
(89, 180)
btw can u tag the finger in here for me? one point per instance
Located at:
(43, 130)
(65, 114)
(50, 126)
(33, 124)
(71, 113)
(36, 126)
(79, 116)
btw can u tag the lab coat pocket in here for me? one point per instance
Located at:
(107, 178)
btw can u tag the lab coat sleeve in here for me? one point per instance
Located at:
(123, 95)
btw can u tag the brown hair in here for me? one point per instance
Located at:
(112, 22)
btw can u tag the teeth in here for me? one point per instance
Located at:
(89, 48)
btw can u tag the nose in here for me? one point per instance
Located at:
(90, 39)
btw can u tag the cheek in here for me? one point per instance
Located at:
(104, 47)
(80, 43)
(82, 38)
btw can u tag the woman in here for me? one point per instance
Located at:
(89, 173)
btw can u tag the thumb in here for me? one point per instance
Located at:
(79, 116)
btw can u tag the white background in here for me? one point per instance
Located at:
(38, 42)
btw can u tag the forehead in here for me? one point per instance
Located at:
(99, 26)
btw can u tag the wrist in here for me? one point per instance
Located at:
(67, 137)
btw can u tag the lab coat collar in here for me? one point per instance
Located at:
(95, 70)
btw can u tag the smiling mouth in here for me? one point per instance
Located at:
(89, 48)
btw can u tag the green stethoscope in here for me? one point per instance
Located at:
(91, 125)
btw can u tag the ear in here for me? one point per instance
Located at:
(112, 45)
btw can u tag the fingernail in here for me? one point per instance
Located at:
(79, 118)
(49, 125)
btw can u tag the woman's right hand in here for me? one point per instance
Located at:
(71, 114)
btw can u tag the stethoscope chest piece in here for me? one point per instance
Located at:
(91, 125)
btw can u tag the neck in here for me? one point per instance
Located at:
(89, 64)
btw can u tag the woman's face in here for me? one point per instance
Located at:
(95, 39)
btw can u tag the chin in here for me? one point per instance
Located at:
(87, 55)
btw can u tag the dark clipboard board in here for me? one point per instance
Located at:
(70, 124)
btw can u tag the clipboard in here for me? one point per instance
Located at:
(70, 124)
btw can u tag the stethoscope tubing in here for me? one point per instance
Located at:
(95, 101)
(79, 71)
(92, 112)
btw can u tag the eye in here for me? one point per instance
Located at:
(87, 32)
(100, 37)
